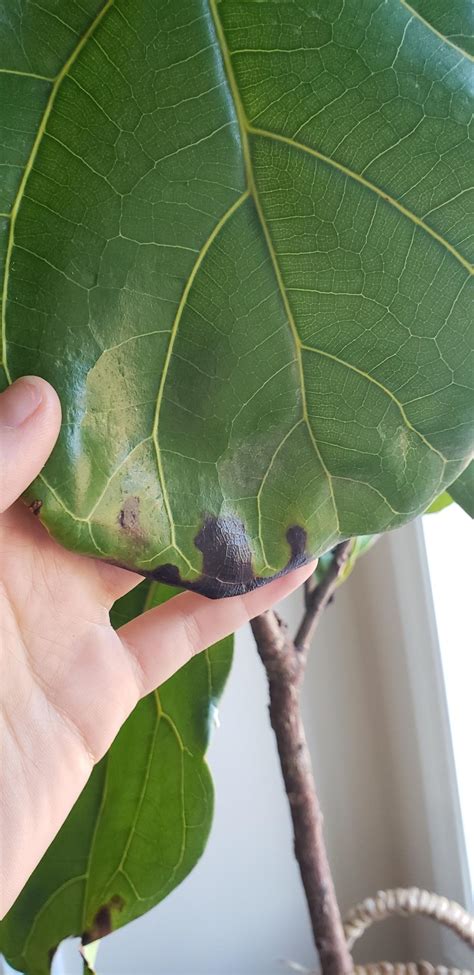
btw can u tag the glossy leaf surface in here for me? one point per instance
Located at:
(142, 821)
(236, 239)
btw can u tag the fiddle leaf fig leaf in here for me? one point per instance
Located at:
(462, 491)
(142, 821)
(236, 240)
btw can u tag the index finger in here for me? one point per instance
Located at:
(163, 639)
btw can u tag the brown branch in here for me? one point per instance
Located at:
(309, 587)
(284, 661)
(317, 598)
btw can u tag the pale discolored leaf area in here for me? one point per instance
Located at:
(236, 239)
(142, 821)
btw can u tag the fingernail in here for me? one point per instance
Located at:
(20, 401)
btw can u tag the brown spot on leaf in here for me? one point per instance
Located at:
(129, 516)
(226, 554)
(296, 538)
(102, 923)
(35, 507)
(227, 568)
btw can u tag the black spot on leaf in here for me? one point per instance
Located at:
(102, 923)
(129, 516)
(227, 568)
(226, 552)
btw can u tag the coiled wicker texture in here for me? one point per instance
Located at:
(410, 968)
(408, 903)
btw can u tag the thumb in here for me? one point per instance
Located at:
(30, 417)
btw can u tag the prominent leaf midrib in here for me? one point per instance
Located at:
(182, 304)
(169, 352)
(300, 146)
(252, 186)
(11, 239)
(247, 129)
(380, 385)
(442, 37)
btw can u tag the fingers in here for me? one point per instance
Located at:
(165, 638)
(30, 417)
(117, 582)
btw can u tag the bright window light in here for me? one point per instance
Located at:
(449, 538)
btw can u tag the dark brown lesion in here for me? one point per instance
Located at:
(129, 517)
(227, 567)
(35, 506)
(102, 923)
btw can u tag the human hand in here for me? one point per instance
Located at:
(68, 680)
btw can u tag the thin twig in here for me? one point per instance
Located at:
(309, 587)
(317, 600)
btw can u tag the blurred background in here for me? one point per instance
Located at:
(388, 713)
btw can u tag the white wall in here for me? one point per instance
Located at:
(394, 597)
(449, 540)
(241, 912)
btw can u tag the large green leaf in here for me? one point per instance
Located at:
(462, 491)
(236, 240)
(140, 824)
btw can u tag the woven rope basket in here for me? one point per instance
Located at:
(408, 903)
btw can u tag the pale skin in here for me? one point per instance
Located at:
(68, 680)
